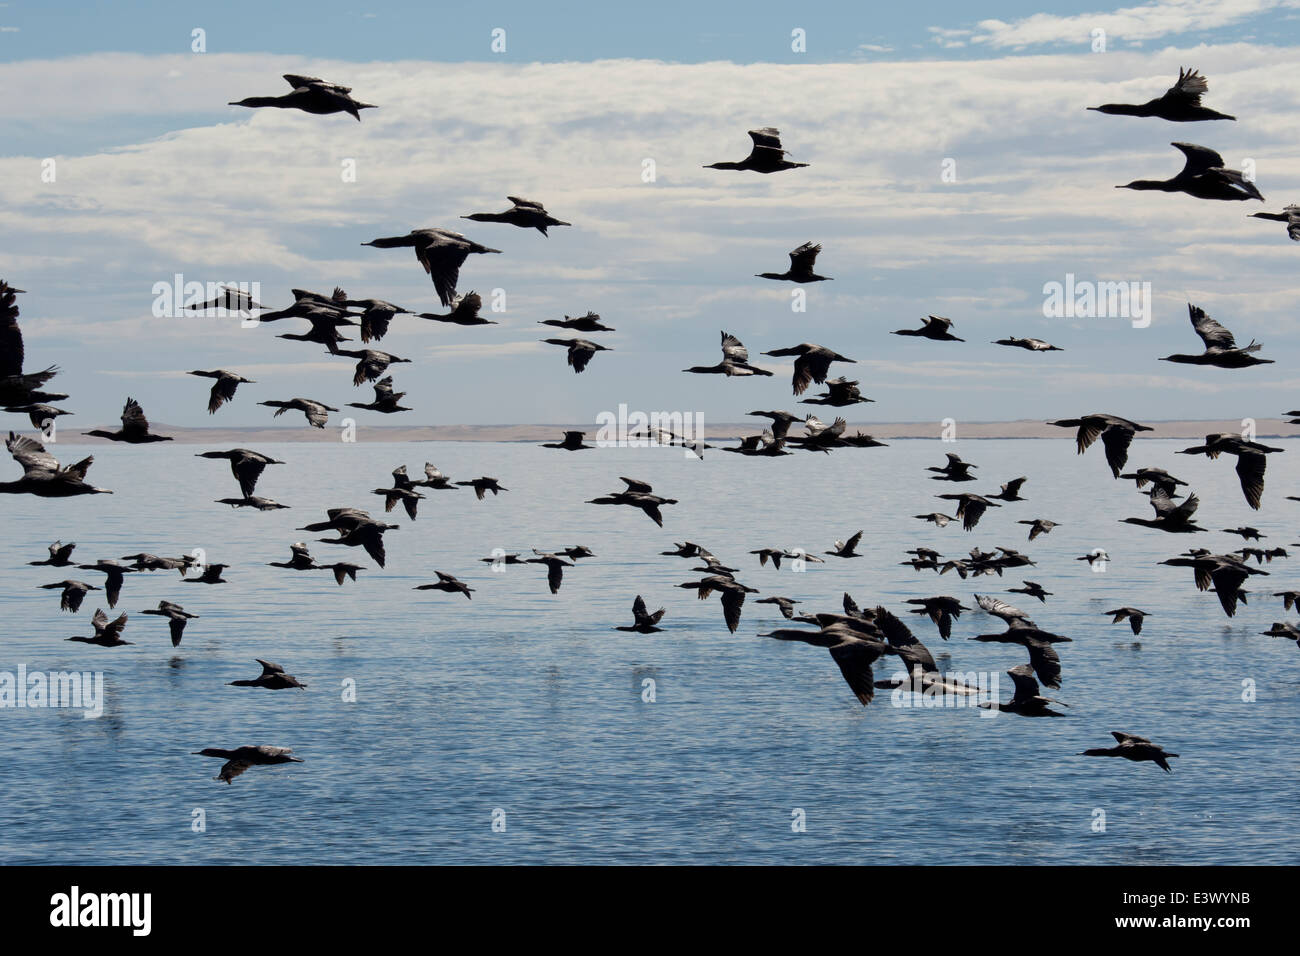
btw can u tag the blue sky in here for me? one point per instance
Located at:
(689, 32)
(158, 175)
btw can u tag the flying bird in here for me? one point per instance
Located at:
(134, 430)
(272, 677)
(43, 476)
(934, 327)
(317, 413)
(72, 593)
(176, 616)
(1026, 699)
(637, 495)
(582, 323)
(246, 465)
(59, 555)
(483, 485)
(812, 363)
(970, 508)
(1131, 614)
(241, 758)
(1029, 345)
(846, 549)
(113, 576)
(371, 363)
(448, 583)
(1204, 176)
(735, 360)
(766, 156)
(311, 95)
(1171, 517)
(942, 610)
(1181, 103)
(223, 389)
(106, 634)
(440, 251)
(1289, 215)
(17, 388)
(580, 351)
(386, 400)
(1116, 435)
(854, 650)
(802, 261)
(643, 622)
(524, 213)
(1251, 461)
(1221, 349)
(1038, 526)
(731, 592)
(572, 441)
(1133, 747)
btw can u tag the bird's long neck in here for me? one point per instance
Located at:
(261, 101)
(1124, 109)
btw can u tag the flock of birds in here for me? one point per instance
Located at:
(855, 637)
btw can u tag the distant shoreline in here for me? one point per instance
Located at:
(69, 434)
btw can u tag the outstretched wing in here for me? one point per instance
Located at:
(855, 659)
(1124, 738)
(1212, 333)
(442, 259)
(803, 258)
(1199, 158)
(31, 454)
(529, 203)
(133, 420)
(1116, 440)
(900, 636)
(11, 337)
(733, 348)
(1189, 89)
(1026, 685)
(767, 137)
(1250, 469)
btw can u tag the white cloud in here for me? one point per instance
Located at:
(1135, 24)
(239, 195)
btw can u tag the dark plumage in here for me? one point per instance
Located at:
(1221, 349)
(246, 465)
(1133, 747)
(643, 622)
(934, 327)
(1116, 435)
(1251, 461)
(524, 213)
(580, 351)
(440, 251)
(766, 156)
(1181, 103)
(134, 430)
(1204, 176)
(241, 758)
(802, 261)
(223, 389)
(272, 677)
(311, 95)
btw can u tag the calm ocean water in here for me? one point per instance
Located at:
(529, 703)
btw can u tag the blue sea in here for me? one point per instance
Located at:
(514, 728)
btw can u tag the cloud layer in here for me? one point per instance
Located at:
(175, 181)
